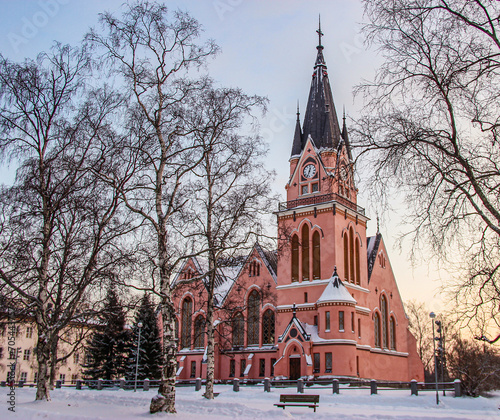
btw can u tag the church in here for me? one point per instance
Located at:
(327, 303)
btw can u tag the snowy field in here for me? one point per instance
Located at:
(249, 403)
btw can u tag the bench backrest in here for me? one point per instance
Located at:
(298, 398)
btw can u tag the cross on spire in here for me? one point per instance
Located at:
(320, 34)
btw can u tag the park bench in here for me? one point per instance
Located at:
(298, 400)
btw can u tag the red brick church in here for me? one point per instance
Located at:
(328, 304)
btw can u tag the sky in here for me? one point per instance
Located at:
(268, 48)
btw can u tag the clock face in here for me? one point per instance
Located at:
(309, 171)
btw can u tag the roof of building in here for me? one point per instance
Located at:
(372, 245)
(335, 291)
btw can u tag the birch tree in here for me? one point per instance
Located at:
(430, 130)
(151, 52)
(59, 225)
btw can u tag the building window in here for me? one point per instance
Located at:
(24, 377)
(305, 189)
(231, 368)
(27, 353)
(243, 365)
(316, 257)
(199, 331)
(352, 321)
(35, 379)
(392, 331)
(315, 187)
(327, 321)
(351, 255)
(253, 318)
(187, 309)
(62, 378)
(1, 352)
(74, 377)
(254, 269)
(316, 320)
(262, 367)
(383, 309)
(357, 273)
(346, 257)
(305, 297)
(268, 327)
(376, 325)
(29, 332)
(295, 258)
(238, 329)
(76, 358)
(317, 365)
(341, 320)
(193, 368)
(273, 361)
(328, 362)
(359, 327)
(305, 253)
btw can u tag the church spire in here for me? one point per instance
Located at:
(297, 138)
(345, 136)
(320, 121)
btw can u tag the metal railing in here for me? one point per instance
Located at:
(318, 199)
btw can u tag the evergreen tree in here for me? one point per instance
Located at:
(150, 356)
(107, 349)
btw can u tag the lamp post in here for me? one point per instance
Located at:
(432, 316)
(137, 355)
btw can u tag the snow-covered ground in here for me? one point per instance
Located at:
(249, 403)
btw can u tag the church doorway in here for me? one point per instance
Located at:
(294, 368)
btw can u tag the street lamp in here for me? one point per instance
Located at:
(433, 315)
(137, 355)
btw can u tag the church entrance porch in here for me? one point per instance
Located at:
(294, 368)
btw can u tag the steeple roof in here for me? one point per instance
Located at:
(297, 138)
(320, 121)
(345, 136)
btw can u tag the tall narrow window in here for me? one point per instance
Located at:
(317, 366)
(187, 309)
(346, 257)
(231, 368)
(341, 320)
(327, 321)
(352, 321)
(383, 309)
(243, 365)
(376, 332)
(351, 255)
(316, 257)
(358, 279)
(253, 318)
(268, 327)
(359, 327)
(295, 258)
(199, 331)
(328, 362)
(392, 330)
(238, 327)
(262, 367)
(193, 369)
(305, 253)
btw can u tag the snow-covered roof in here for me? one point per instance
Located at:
(335, 291)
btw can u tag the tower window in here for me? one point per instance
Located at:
(305, 253)
(295, 258)
(305, 189)
(315, 187)
(316, 257)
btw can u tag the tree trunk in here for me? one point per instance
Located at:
(53, 363)
(209, 389)
(43, 355)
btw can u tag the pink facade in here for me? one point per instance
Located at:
(326, 305)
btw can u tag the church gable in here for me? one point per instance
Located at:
(295, 331)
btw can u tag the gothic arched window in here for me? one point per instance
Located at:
(356, 258)
(392, 331)
(199, 331)
(351, 255)
(238, 326)
(268, 327)
(187, 309)
(376, 325)
(295, 258)
(346, 257)
(305, 253)
(316, 257)
(253, 318)
(383, 309)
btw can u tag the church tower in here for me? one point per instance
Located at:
(323, 315)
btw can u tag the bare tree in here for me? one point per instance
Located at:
(431, 131)
(151, 52)
(420, 325)
(58, 223)
(230, 190)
